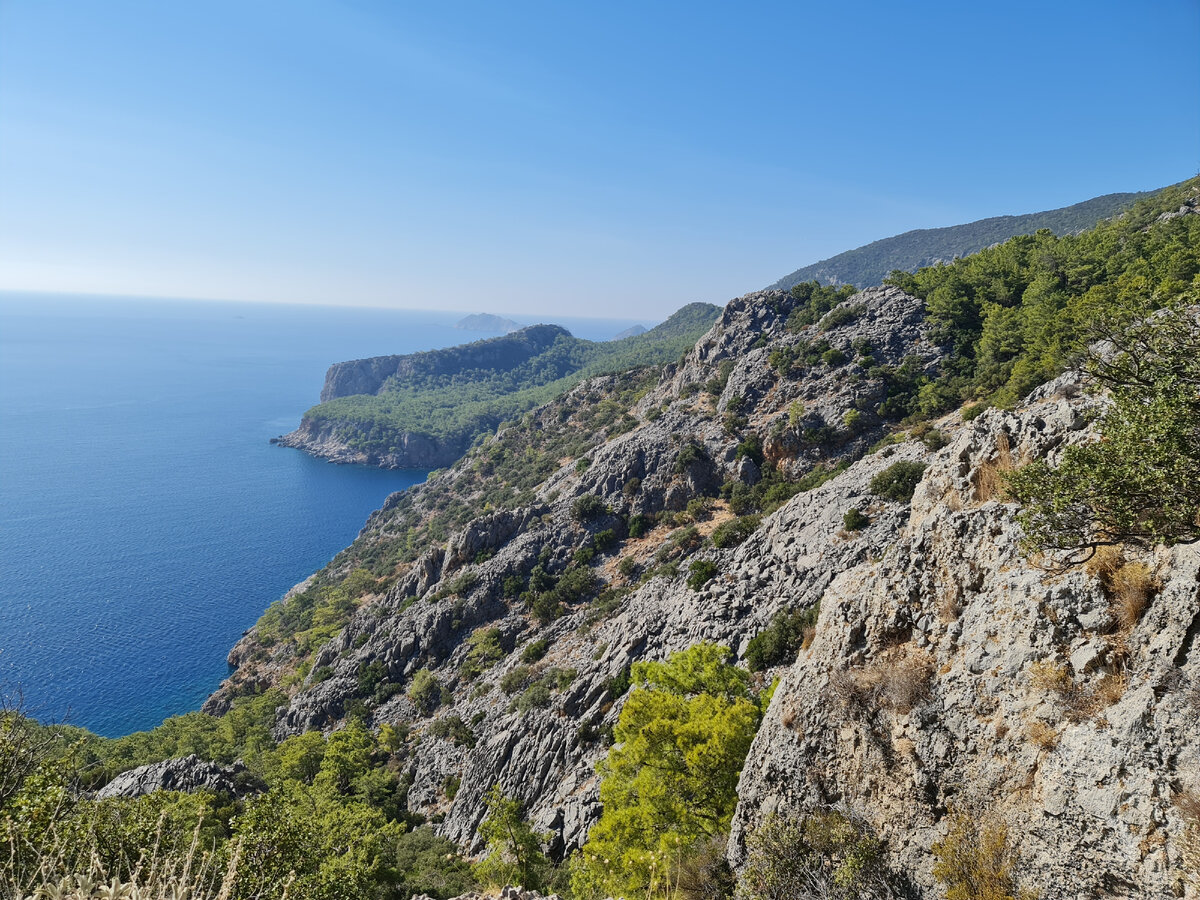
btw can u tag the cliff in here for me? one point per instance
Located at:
(947, 673)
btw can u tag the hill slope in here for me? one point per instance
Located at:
(870, 264)
(424, 409)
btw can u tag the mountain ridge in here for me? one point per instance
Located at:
(871, 263)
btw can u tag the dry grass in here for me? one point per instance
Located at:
(1080, 702)
(1105, 562)
(1042, 734)
(898, 680)
(988, 477)
(1187, 804)
(1132, 587)
(1050, 677)
(1129, 586)
(160, 875)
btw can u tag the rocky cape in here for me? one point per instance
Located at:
(947, 673)
(411, 450)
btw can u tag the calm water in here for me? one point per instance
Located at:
(145, 520)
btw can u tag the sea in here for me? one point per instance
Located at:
(146, 521)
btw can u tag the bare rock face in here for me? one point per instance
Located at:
(948, 673)
(188, 775)
(951, 674)
(542, 748)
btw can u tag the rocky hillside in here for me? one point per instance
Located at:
(949, 693)
(529, 616)
(947, 675)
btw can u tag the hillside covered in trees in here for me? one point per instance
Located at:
(872, 594)
(870, 264)
(425, 409)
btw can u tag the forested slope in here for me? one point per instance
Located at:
(870, 264)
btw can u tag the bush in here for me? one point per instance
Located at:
(588, 507)
(855, 520)
(425, 692)
(701, 572)
(975, 861)
(735, 531)
(781, 640)
(639, 524)
(516, 679)
(485, 651)
(690, 454)
(825, 854)
(534, 650)
(453, 728)
(898, 481)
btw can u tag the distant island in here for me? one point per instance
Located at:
(632, 331)
(487, 322)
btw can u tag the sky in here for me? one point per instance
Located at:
(607, 158)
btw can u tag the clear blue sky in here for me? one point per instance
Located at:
(541, 157)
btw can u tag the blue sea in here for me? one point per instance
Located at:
(145, 519)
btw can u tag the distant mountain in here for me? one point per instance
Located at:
(487, 322)
(869, 265)
(632, 331)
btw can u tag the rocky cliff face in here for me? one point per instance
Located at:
(412, 450)
(951, 674)
(947, 672)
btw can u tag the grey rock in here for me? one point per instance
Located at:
(188, 775)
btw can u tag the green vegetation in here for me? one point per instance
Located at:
(1015, 315)
(514, 850)
(870, 264)
(898, 481)
(701, 572)
(735, 531)
(1138, 484)
(825, 854)
(855, 519)
(331, 825)
(453, 402)
(781, 640)
(668, 785)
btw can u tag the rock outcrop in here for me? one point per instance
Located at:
(950, 674)
(188, 775)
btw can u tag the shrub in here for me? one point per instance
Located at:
(898, 481)
(639, 524)
(588, 507)
(975, 861)
(690, 454)
(843, 315)
(536, 696)
(781, 640)
(855, 520)
(735, 531)
(825, 854)
(516, 679)
(701, 572)
(453, 728)
(485, 651)
(972, 411)
(425, 691)
(534, 650)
